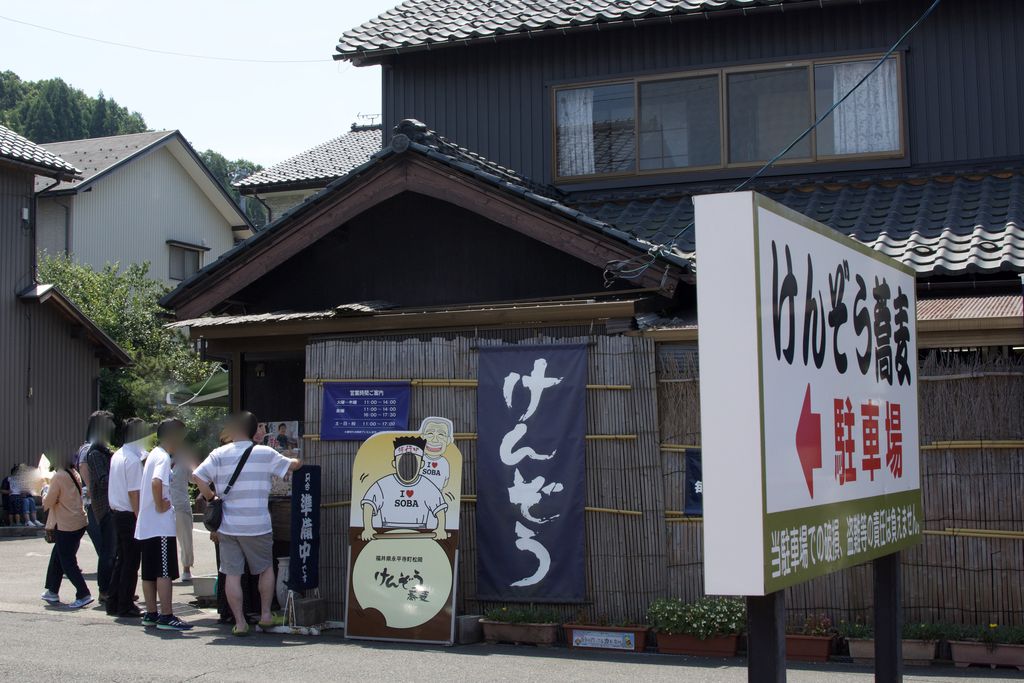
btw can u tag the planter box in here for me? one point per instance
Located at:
(719, 646)
(915, 652)
(618, 638)
(808, 648)
(966, 653)
(544, 635)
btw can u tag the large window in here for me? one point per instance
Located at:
(185, 261)
(727, 118)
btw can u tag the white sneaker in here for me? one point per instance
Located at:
(81, 602)
(50, 597)
(27, 523)
(186, 576)
(37, 524)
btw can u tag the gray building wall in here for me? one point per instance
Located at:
(964, 76)
(47, 375)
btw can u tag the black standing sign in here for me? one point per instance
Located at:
(304, 564)
(694, 496)
(531, 493)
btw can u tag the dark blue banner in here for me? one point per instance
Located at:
(304, 564)
(694, 497)
(356, 411)
(531, 491)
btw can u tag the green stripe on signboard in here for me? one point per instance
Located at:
(809, 542)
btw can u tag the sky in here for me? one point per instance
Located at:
(261, 112)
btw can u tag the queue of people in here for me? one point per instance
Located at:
(135, 507)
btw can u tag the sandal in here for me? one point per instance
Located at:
(240, 632)
(275, 620)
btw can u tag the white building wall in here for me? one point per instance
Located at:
(53, 220)
(129, 215)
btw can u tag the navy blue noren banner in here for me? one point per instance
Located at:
(304, 564)
(355, 411)
(694, 496)
(531, 491)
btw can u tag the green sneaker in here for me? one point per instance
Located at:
(150, 619)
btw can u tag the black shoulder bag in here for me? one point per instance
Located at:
(213, 516)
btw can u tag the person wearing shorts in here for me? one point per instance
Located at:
(155, 529)
(245, 531)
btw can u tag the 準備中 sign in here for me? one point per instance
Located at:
(404, 535)
(304, 564)
(353, 411)
(531, 424)
(808, 384)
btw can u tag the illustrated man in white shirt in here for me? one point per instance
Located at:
(439, 433)
(405, 499)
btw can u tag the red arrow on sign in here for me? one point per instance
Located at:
(808, 441)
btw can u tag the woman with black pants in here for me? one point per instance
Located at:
(66, 520)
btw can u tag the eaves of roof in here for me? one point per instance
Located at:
(417, 25)
(45, 294)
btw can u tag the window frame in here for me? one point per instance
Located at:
(723, 112)
(197, 249)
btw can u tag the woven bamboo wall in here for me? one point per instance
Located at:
(947, 578)
(622, 550)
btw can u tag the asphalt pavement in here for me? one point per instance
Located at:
(38, 643)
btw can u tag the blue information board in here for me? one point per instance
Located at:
(353, 411)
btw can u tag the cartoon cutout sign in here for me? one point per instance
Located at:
(404, 535)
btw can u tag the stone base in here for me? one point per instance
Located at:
(468, 629)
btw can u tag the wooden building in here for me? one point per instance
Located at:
(51, 352)
(411, 262)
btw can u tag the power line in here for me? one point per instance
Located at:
(627, 269)
(170, 53)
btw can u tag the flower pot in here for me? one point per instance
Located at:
(679, 644)
(544, 635)
(620, 638)
(966, 653)
(808, 648)
(915, 652)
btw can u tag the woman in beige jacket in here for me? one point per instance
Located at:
(66, 520)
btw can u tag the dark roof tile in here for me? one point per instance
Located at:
(420, 23)
(14, 147)
(321, 164)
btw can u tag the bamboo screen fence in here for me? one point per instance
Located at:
(970, 568)
(625, 528)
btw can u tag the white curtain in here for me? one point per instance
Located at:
(575, 132)
(869, 120)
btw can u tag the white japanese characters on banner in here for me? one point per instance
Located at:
(808, 397)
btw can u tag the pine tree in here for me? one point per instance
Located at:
(98, 118)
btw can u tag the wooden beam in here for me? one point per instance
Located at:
(385, 321)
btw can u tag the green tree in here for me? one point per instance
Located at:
(228, 172)
(124, 304)
(98, 118)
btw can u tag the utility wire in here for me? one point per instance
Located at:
(627, 269)
(167, 52)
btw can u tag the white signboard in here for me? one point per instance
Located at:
(808, 369)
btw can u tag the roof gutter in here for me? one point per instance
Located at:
(373, 57)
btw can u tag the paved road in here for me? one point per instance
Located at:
(41, 644)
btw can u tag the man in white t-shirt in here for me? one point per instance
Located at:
(123, 495)
(156, 528)
(405, 499)
(245, 534)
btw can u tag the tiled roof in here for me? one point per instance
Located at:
(321, 164)
(969, 222)
(421, 23)
(23, 151)
(971, 307)
(97, 155)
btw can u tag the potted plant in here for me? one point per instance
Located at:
(601, 634)
(521, 625)
(810, 641)
(993, 645)
(709, 627)
(919, 642)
